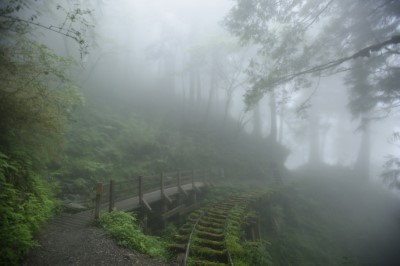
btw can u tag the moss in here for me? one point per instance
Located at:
(210, 229)
(197, 262)
(207, 252)
(209, 243)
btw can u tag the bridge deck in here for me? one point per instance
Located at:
(81, 219)
(133, 203)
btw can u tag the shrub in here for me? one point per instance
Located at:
(124, 228)
(23, 211)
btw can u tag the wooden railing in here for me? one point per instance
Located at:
(115, 191)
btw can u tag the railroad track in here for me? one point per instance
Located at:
(202, 239)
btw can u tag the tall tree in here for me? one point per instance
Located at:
(273, 113)
(37, 99)
(287, 33)
(299, 39)
(314, 152)
(257, 122)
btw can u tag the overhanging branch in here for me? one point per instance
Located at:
(366, 52)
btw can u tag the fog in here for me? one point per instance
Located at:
(310, 88)
(131, 39)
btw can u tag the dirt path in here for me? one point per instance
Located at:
(63, 243)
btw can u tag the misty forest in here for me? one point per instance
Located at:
(201, 132)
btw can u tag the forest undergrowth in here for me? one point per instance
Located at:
(331, 219)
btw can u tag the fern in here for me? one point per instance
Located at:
(124, 228)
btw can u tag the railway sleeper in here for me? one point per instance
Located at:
(211, 224)
(209, 253)
(222, 211)
(199, 262)
(179, 239)
(235, 216)
(210, 218)
(210, 236)
(184, 231)
(210, 243)
(177, 248)
(187, 225)
(192, 220)
(196, 214)
(218, 215)
(225, 205)
(210, 229)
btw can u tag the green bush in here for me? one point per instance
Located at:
(124, 228)
(23, 210)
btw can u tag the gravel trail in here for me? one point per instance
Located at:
(64, 243)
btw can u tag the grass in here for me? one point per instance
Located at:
(125, 229)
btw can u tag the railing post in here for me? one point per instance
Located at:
(140, 190)
(112, 196)
(178, 179)
(162, 184)
(192, 177)
(194, 189)
(142, 201)
(99, 192)
(163, 200)
(180, 199)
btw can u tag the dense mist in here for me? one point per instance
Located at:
(150, 50)
(297, 97)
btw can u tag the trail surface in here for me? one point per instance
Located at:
(70, 241)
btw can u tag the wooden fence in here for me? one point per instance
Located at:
(114, 191)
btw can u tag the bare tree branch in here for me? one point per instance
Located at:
(319, 14)
(366, 52)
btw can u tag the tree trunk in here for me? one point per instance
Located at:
(228, 102)
(213, 86)
(192, 87)
(198, 85)
(257, 121)
(362, 163)
(281, 122)
(314, 156)
(274, 128)
(169, 75)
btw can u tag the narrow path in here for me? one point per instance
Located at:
(73, 240)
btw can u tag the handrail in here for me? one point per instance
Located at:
(117, 189)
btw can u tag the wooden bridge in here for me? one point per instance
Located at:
(160, 196)
(165, 194)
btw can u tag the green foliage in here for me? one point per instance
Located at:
(391, 174)
(37, 100)
(105, 144)
(237, 218)
(169, 232)
(112, 140)
(297, 40)
(259, 253)
(125, 229)
(244, 252)
(24, 208)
